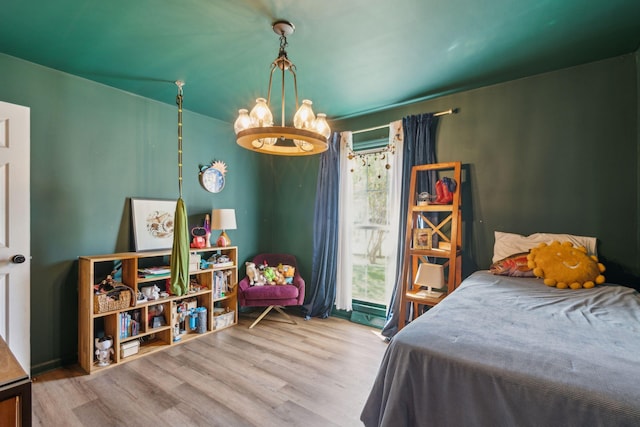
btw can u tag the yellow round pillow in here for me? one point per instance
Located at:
(564, 266)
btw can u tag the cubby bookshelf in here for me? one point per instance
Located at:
(159, 323)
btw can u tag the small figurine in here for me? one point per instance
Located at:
(104, 350)
(200, 237)
(140, 297)
(151, 292)
(207, 227)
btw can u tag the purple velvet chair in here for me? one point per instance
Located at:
(272, 296)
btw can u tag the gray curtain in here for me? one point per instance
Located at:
(322, 289)
(419, 149)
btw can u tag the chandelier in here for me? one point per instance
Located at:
(255, 130)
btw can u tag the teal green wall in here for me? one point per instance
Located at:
(92, 148)
(291, 182)
(556, 152)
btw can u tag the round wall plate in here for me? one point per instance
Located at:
(212, 176)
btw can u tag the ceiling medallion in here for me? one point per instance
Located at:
(255, 130)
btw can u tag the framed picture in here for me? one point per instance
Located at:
(153, 223)
(422, 238)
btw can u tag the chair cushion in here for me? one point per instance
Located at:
(271, 292)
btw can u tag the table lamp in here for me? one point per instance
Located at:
(223, 219)
(431, 276)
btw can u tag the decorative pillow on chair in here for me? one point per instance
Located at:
(507, 244)
(516, 265)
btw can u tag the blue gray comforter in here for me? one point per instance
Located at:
(504, 351)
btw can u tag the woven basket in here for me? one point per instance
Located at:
(116, 299)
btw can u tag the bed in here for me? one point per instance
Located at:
(510, 351)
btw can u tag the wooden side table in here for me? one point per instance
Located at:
(15, 390)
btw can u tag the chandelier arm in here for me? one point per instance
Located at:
(295, 84)
(283, 97)
(273, 68)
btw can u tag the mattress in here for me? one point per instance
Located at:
(504, 351)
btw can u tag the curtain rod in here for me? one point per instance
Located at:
(441, 113)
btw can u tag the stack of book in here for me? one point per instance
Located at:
(129, 324)
(154, 271)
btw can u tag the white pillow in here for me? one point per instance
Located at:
(509, 243)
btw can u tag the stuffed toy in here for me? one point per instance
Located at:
(252, 272)
(279, 279)
(273, 276)
(287, 271)
(562, 265)
(260, 280)
(270, 275)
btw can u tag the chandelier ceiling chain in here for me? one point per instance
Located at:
(255, 130)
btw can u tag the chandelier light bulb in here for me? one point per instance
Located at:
(261, 142)
(243, 121)
(304, 117)
(260, 114)
(321, 126)
(303, 145)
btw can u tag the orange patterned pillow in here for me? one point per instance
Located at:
(515, 265)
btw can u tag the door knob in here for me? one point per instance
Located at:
(18, 259)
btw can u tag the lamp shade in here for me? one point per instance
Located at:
(430, 275)
(223, 219)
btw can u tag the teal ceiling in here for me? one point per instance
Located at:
(352, 56)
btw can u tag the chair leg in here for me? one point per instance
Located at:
(264, 313)
(279, 310)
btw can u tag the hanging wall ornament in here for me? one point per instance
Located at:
(212, 177)
(368, 156)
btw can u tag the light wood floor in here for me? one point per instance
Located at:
(316, 373)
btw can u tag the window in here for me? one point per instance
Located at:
(370, 186)
(370, 230)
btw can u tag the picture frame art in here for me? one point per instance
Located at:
(422, 238)
(153, 222)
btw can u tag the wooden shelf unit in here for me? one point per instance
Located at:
(91, 325)
(447, 227)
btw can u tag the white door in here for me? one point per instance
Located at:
(15, 255)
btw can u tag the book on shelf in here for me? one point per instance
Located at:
(154, 271)
(223, 264)
(129, 323)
